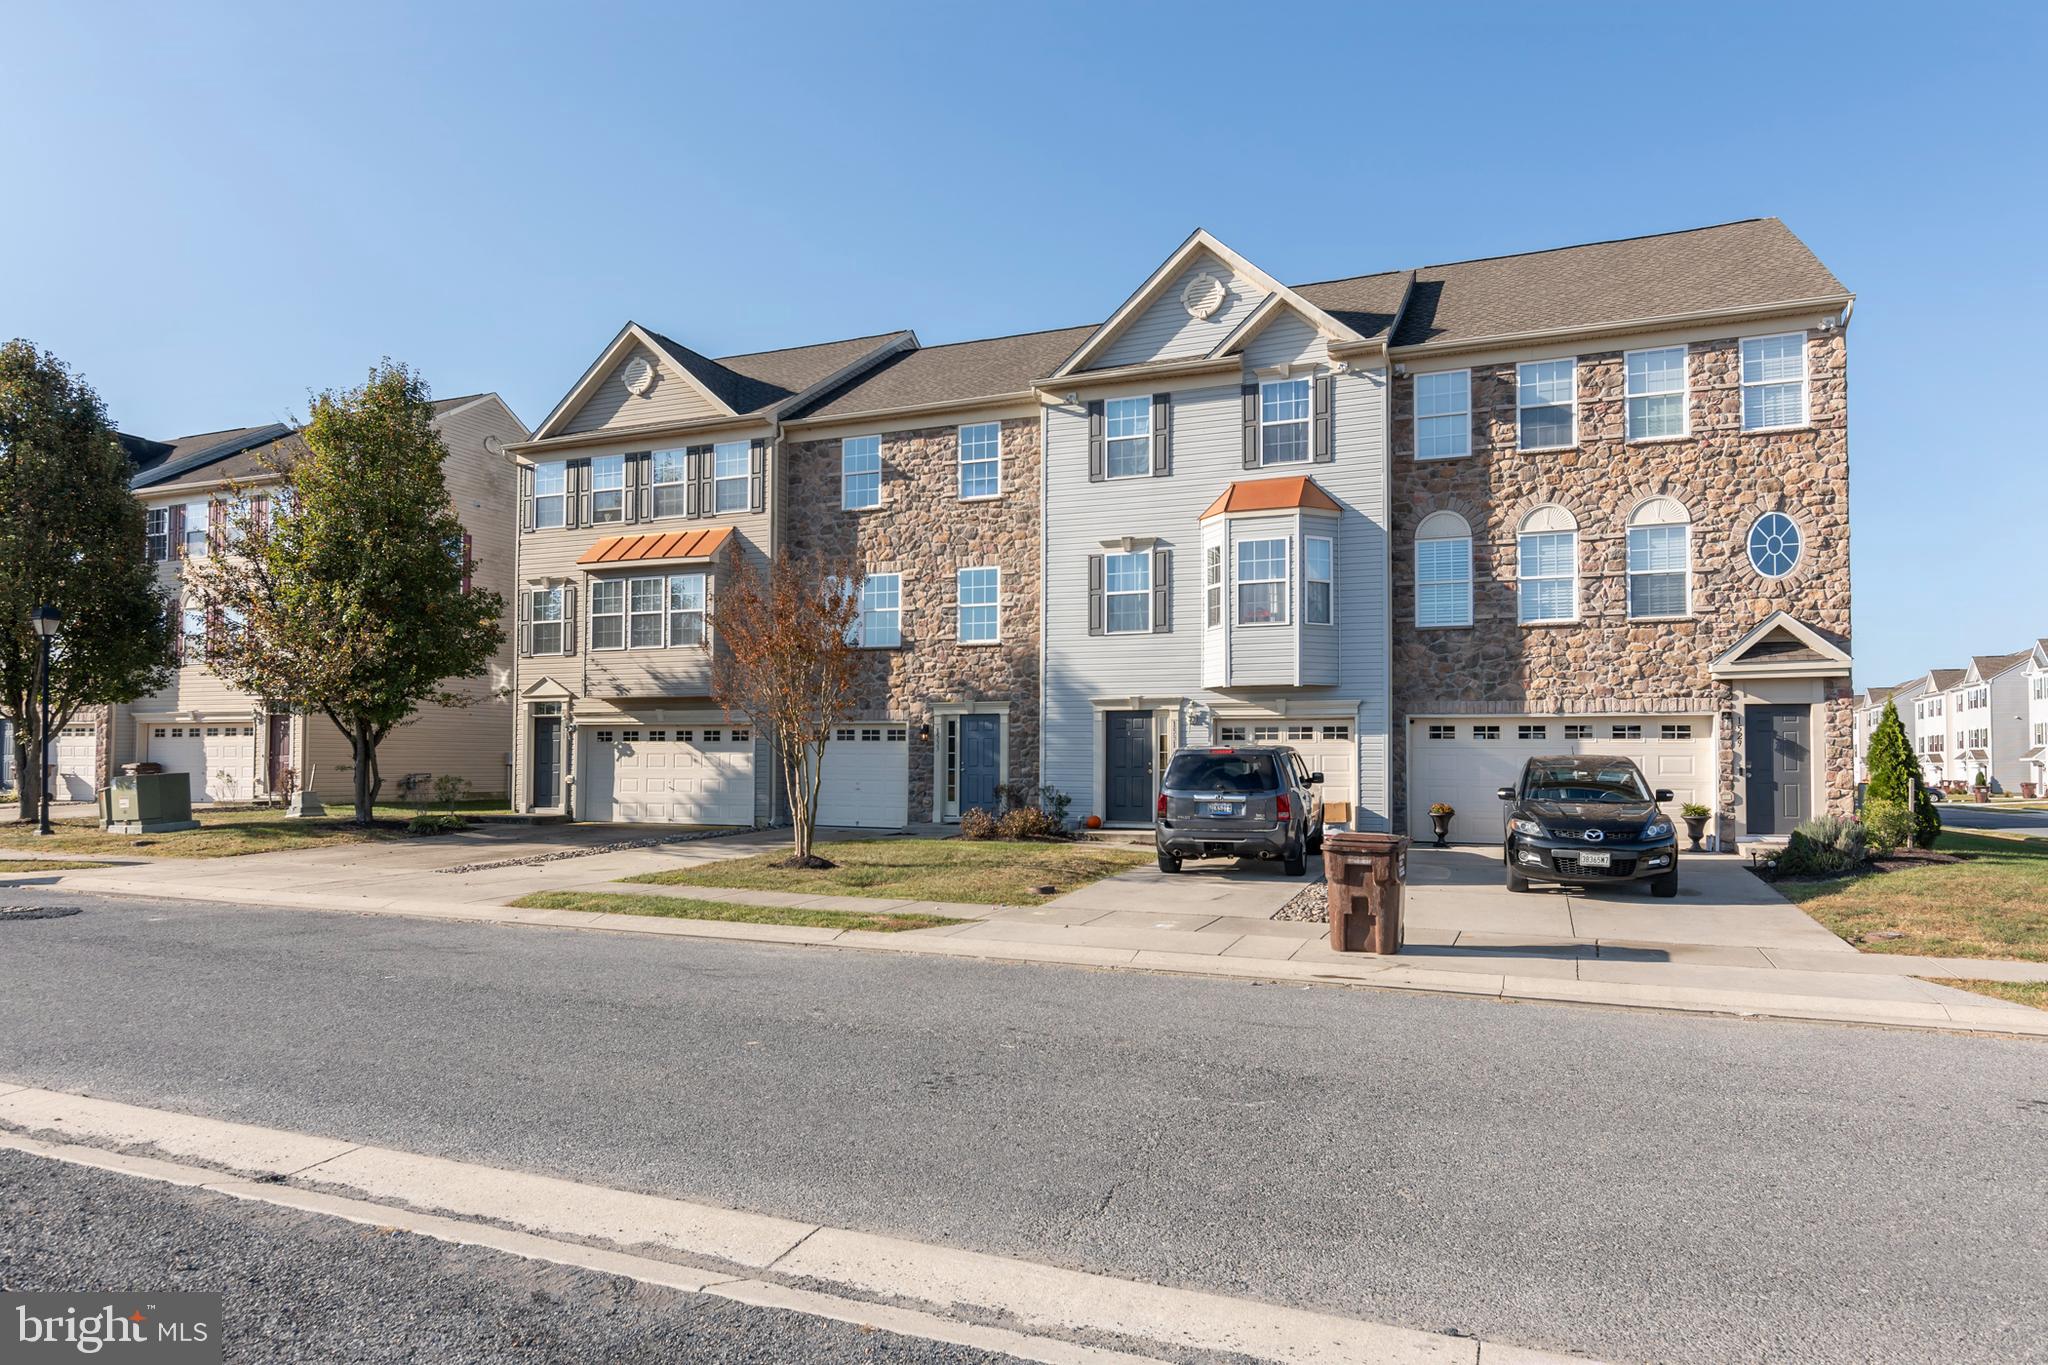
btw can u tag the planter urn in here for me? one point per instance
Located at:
(1695, 829)
(1442, 825)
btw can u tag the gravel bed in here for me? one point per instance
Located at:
(1311, 903)
(14, 912)
(589, 851)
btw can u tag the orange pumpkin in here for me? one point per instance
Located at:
(1093, 822)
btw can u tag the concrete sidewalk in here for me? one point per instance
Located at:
(1732, 946)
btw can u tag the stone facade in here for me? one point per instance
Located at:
(1604, 662)
(926, 532)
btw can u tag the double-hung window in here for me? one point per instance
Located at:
(1318, 580)
(669, 480)
(194, 623)
(1547, 565)
(198, 527)
(980, 590)
(1656, 393)
(1127, 592)
(1212, 584)
(1773, 382)
(1546, 404)
(1443, 415)
(608, 613)
(156, 533)
(686, 601)
(607, 489)
(981, 460)
(1262, 582)
(644, 606)
(881, 611)
(1443, 571)
(550, 495)
(1658, 561)
(544, 621)
(1127, 428)
(1283, 421)
(732, 470)
(860, 472)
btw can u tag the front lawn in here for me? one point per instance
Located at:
(22, 867)
(2033, 993)
(221, 834)
(678, 907)
(1994, 903)
(992, 872)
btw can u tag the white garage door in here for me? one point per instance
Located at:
(219, 759)
(77, 759)
(696, 775)
(1329, 747)
(866, 782)
(1462, 761)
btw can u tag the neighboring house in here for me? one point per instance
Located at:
(237, 747)
(1931, 726)
(1988, 721)
(2034, 758)
(1418, 525)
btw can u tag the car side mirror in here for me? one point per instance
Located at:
(1505, 793)
(1664, 794)
(1315, 779)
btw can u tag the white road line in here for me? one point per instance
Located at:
(1039, 1298)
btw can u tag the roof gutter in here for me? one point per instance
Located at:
(836, 419)
(1501, 339)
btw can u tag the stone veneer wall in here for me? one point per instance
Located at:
(1605, 663)
(925, 532)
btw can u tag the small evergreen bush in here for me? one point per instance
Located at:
(1889, 825)
(1895, 776)
(1826, 847)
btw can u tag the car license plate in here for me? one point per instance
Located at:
(1596, 860)
(1223, 808)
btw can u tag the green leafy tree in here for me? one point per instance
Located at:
(346, 595)
(1895, 776)
(71, 535)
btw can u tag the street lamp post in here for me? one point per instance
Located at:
(45, 619)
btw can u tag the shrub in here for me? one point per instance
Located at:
(434, 822)
(1895, 775)
(976, 823)
(1825, 847)
(1029, 822)
(1889, 825)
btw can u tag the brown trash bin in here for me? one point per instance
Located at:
(1365, 874)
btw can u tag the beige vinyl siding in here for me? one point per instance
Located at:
(1165, 330)
(1287, 339)
(671, 399)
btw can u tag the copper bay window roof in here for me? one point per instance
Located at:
(1271, 495)
(657, 545)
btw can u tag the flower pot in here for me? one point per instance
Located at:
(1695, 827)
(1981, 796)
(1442, 825)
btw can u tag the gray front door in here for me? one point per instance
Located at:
(981, 761)
(1128, 772)
(547, 762)
(1775, 748)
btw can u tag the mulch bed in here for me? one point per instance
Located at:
(1903, 860)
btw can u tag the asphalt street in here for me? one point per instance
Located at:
(299, 1287)
(1967, 815)
(1630, 1185)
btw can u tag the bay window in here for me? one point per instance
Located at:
(1262, 582)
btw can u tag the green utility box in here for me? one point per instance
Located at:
(148, 803)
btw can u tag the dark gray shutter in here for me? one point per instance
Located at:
(569, 619)
(1162, 591)
(700, 456)
(1095, 442)
(1095, 594)
(1324, 450)
(690, 506)
(526, 497)
(1251, 425)
(1162, 435)
(646, 481)
(630, 503)
(522, 626)
(757, 475)
(575, 493)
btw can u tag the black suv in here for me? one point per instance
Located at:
(1585, 819)
(1247, 801)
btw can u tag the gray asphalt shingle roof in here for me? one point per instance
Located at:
(759, 379)
(210, 456)
(960, 371)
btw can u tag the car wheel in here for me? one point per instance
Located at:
(1664, 887)
(1517, 883)
(1167, 862)
(1315, 841)
(1296, 864)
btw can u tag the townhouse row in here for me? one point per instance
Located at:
(1990, 718)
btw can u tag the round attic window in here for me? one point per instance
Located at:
(1204, 296)
(638, 376)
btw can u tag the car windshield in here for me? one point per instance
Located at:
(1585, 782)
(1223, 773)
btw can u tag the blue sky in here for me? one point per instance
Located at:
(211, 210)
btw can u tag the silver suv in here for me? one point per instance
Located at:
(1241, 801)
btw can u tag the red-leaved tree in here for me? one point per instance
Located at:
(785, 659)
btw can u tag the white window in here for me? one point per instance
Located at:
(1660, 559)
(607, 489)
(670, 480)
(156, 531)
(1532, 732)
(1578, 732)
(1547, 564)
(1262, 582)
(1486, 732)
(1127, 429)
(550, 494)
(608, 613)
(685, 610)
(1674, 732)
(544, 618)
(732, 469)
(1546, 404)
(1773, 382)
(1774, 547)
(1212, 584)
(1626, 732)
(1443, 415)
(860, 472)
(981, 460)
(198, 527)
(881, 611)
(1443, 732)
(195, 634)
(644, 610)
(1318, 580)
(1127, 592)
(980, 612)
(1443, 571)
(1283, 421)
(1656, 393)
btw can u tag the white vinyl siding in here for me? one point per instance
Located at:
(1127, 430)
(1773, 382)
(1127, 592)
(1656, 393)
(981, 461)
(860, 472)
(980, 606)
(1283, 421)
(1443, 415)
(1546, 404)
